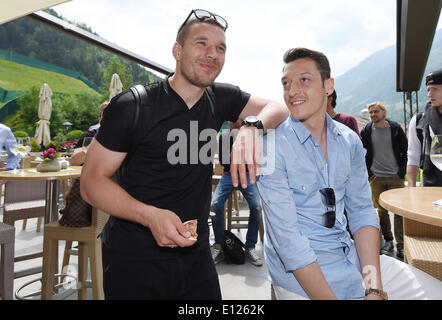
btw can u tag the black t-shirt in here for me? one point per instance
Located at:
(184, 188)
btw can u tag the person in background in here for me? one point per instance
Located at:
(421, 131)
(79, 155)
(223, 190)
(317, 168)
(386, 159)
(343, 118)
(7, 140)
(147, 253)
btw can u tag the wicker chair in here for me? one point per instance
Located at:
(89, 246)
(7, 239)
(423, 247)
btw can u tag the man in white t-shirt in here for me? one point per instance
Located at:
(423, 126)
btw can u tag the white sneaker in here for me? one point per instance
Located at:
(217, 254)
(253, 257)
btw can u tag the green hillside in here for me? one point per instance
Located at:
(17, 77)
(374, 79)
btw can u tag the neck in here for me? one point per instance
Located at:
(439, 109)
(318, 129)
(187, 91)
(381, 124)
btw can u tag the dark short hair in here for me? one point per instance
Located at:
(334, 97)
(183, 31)
(319, 58)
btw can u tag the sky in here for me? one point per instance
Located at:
(259, 32)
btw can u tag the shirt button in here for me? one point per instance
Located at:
(269, 202)
(302, 188)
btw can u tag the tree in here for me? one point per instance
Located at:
(81, 110)
(116, 66)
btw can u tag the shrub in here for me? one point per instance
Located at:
(20, 134)
(56, 145)
(35, 147)
(73, 135)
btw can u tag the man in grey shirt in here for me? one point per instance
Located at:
(386, 159)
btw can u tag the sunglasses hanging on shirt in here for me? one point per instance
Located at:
(330, 201)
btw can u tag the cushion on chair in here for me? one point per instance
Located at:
(23, 205)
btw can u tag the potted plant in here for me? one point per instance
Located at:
(50, 162)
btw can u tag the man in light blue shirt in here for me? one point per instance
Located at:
(313, 168)
(7, 140)
(318, 169)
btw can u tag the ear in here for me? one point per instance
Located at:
(176, 51)
(329, 86)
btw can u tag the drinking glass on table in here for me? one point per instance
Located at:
(436, 151)
(86, 143)
(23, 147)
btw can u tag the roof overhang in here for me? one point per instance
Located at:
(84, 35)
(416, 25)
(13, 9)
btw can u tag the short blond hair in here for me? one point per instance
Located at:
(377, 104)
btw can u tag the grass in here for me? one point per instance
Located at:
(14, 76)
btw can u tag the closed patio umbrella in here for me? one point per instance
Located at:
(115, 86)
(43, 133)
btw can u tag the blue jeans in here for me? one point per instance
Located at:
(222, 192)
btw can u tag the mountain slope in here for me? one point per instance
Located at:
(16, 76)
(374, 79)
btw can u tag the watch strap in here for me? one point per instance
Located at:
(377, 292)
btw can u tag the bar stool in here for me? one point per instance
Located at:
(89, 246)
(7, 239)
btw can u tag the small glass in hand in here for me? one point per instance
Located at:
(86, 143)
(436, 151)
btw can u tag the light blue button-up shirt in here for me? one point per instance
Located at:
(294, 209)
(6, 135)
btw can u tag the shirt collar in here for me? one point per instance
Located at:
(303, 133)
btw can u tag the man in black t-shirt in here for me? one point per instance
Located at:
(168, 170)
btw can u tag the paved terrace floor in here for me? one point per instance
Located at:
(238, 282)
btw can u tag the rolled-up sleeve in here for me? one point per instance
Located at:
(289, 245)
(358, 201)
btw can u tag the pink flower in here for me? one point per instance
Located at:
(51, 156)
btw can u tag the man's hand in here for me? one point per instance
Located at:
(246, 151)
(168, 229)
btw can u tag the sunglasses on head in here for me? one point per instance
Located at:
(203, 15)
(330, 201)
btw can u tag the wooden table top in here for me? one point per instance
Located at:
(33, 174)
(414, 203)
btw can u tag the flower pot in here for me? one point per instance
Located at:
(49, 166)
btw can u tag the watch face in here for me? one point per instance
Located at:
(251, 119)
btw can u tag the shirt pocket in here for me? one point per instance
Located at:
(305, 192)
